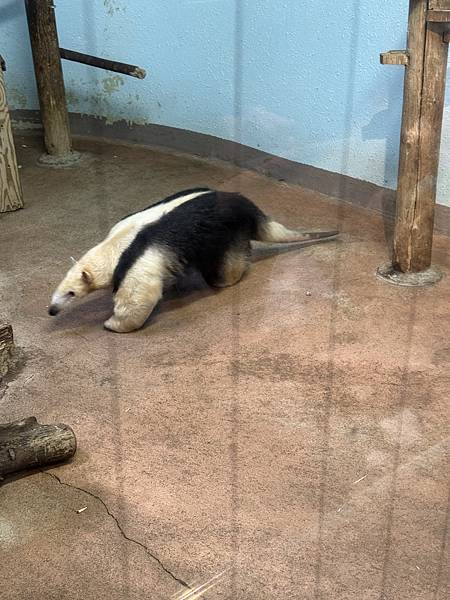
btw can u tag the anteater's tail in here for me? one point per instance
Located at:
(276, 233)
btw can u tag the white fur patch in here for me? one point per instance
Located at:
(152, 214)
(277, 231)
(140, 291)
(152, 264)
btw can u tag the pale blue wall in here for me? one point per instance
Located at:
(302, 76)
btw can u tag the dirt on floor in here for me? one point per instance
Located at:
(284, 438)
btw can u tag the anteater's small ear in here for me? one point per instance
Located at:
(86, 276)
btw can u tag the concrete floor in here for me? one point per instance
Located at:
(284, 438)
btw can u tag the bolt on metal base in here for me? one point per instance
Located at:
(390, 275)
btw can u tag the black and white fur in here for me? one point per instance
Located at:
(208, 230)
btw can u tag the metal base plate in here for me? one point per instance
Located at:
(428, 277)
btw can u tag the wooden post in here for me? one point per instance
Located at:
(420, 141)
(409, 139)
(432, 109)
(11, 197)
(50, 82)
(423, 107)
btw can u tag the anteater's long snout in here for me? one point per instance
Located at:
(59, 301)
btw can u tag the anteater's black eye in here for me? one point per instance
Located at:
(71, 293)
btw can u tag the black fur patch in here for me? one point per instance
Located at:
(198, 233)
(168, 199)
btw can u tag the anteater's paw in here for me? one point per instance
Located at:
(118, 326)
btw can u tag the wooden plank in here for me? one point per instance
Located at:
(438, 16)
(404, 258)
(436, 54)
(439, 4)
(11, 197)
(49, 76)
(394, 57)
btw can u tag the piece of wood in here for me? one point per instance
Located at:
(439, 4)
(407, 258)
(49, 76)
(394, 57)
(438, 16)
(432, 111)
(11, 197)
(6, 348)
(27, 444)
(420, 144)
(103, 63)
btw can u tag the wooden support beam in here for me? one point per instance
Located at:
(423, 105)
(409, 141)
(423, 108)
(11, 197)
(432, 111)
(394, 57)
(49, 78)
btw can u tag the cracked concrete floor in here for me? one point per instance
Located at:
(288, 436)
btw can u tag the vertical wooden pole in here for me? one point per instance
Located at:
(423, 105)
(432, 111)
(10, 188)
(49, 77)
(409, 137)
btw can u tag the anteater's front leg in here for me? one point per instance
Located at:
(134, 303)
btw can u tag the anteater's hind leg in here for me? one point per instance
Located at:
(231, 268)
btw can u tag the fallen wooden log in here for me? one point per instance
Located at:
(27, 444)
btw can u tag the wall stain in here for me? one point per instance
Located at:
(16, 98)
(103, 100)
(112, 7)
(112, 84)
(72, 98)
